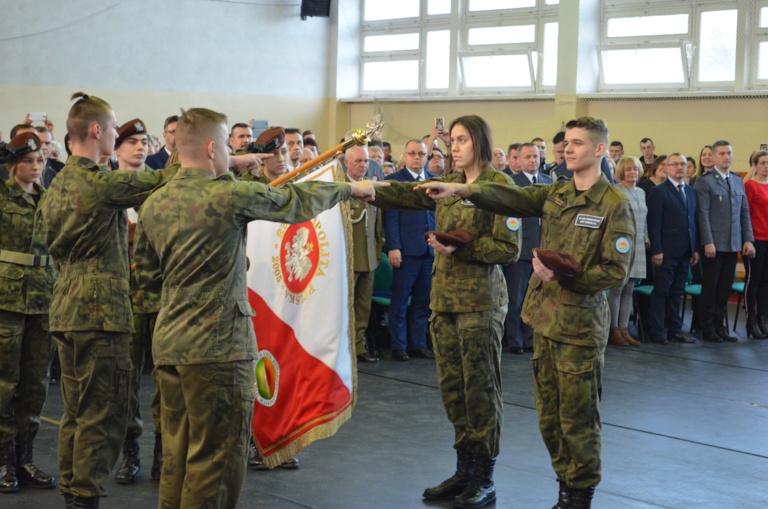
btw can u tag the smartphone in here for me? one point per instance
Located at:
(38, 116)
(440, 123)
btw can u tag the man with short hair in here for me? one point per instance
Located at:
(499, 159)
(367, 242)
(512, 159)
(52, 166)
(436, 163)
(157, 161)
(240, 136)
(204, 340)
(518, 335)
(558, 150)
(616, 151)
(725, 228)
(542, 145)
(411, 259)
(592, 221)
(295, 143)
(648, 157)
(672, 232)
(387, 148)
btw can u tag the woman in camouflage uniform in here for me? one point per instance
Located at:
(26, 277)
(469, 303)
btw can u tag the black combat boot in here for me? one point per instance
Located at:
(131, 465)
(581, 498)
(8, 481)
(563, 497)
(85, 503)
(157, 458)
(481, 490)
(458, 482)
(27, 472)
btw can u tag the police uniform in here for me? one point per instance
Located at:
(570, 316)
(90, 314)
(469, 303)
(204, 339)
(26, 276)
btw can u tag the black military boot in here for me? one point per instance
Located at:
(131, 465)
(27, 472)
(563, 497)
(753, 329)
(157, 458)
(581, 498)
(458, 482)
(8, 481)
(481, 490)
(85, 503)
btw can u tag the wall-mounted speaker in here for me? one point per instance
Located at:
(321, 8)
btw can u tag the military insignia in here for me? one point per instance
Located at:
(139, 128)
(302, 253)
(267, 372)
(32, 144)
(556, 201)
(375, 177)
(513, 224)
(587, 221)
(623, 245)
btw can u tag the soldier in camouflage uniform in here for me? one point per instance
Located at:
(469, 303)
(592, 221)
(27, 276)
(190, 245)
(131, 151)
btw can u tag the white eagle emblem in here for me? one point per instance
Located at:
(139, 128)
(32, 144)
(297, 262)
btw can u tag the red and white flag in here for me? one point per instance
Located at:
(299, 286)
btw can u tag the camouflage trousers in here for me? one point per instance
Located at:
(206, 413)
(467, 349)
(141, 343)
(362, 305)
(25, 351)
(95, 374)
(567, 384)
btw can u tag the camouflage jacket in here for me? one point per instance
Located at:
(190, 244)
(597, 228)
(367, 235)
(470, 279)
(84, 212)
(26, 282)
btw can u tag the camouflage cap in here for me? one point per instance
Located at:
(125, 131)
(268, 141)
(21, 145)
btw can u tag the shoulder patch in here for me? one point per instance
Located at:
(623, 245)
(513, 224)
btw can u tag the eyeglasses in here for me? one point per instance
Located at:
(416, 154)
(676, 164)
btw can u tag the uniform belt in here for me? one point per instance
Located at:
(26, 259)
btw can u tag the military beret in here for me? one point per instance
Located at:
(560, 263)
(268, 141)
(456, 238)
(21, 145)
(125, 131)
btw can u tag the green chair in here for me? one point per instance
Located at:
(691, 290)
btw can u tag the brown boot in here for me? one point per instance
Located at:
(616, 339)
(629, 339)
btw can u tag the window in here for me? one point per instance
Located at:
(423, 47)
(760, 46)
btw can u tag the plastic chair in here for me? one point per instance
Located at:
(644, 290)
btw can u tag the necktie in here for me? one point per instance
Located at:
(420, 176)
(681, 188)
(533, 179)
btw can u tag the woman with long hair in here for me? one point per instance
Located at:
(706, 162)
(469, 304)
(756, 289)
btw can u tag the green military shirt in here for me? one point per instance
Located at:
(470, 279)
(26, 271)
(367, 235)
(84, 212)
(597, 228)
(190, 244)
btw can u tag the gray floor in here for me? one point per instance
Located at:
(684, 426)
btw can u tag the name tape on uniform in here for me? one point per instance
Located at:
(587, 221)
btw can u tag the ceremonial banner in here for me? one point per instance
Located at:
(299, 286)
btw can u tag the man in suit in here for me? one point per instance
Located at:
(411, 259)
(725, 229)
(513, 159)
(157, 161)
(672, 232)
(517, 334)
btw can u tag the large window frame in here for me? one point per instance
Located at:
(458, 23)
(759, 37)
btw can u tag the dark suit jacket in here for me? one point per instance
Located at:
(157, 161)
(531, 237)
(561, 172)
(405, 229)
(672, 225)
